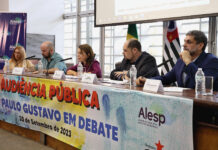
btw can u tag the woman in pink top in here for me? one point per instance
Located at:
(86, 57)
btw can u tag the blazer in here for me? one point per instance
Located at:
(208, 62)
(146, 66)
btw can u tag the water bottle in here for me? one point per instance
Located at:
(40, 67)
(133, 74)
(80, 70)
(199, 82)
(7, 70)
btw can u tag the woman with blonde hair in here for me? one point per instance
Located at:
(18, 60)
(86, 56)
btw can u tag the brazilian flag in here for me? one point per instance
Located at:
(132, 32)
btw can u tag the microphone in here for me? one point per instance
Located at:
(163, 63)
(36, 58)
(30, 57)
(65, 59)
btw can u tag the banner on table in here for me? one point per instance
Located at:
(12, 33)
(90, 116)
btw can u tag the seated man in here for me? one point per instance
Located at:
(191, 58)
(51, 60)
(144, 62)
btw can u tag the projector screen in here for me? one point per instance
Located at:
(113, 12)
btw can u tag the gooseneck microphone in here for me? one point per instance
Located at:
(163, 63)
(30, 57)
(65, 59)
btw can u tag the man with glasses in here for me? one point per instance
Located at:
(191, 58)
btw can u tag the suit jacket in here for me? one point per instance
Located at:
(208, 62)
(146, 66)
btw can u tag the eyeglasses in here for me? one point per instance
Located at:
(18, 53)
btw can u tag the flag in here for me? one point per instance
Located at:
(172, 47)
(132, 32)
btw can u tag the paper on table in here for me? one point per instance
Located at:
(113, 81)
(174, 89)
(69, 77)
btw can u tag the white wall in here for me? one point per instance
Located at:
(4, 5)
(43, 17)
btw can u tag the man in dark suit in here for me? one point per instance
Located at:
(191, 58)
(133, 55)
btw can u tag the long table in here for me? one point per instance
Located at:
(205, 114)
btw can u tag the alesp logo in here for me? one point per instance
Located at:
(156, 146)
(147, 115)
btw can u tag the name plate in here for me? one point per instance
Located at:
(153, 85)
(59, 75)
(89, 78)
(18, 70)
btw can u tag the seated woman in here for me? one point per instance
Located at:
(86, 57)
(18, 60)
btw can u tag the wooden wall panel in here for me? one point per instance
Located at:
(58, 145)
(206, 137)
(31, 134)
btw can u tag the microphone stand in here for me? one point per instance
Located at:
(47, 74)
(65, 59)
(30, 57)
